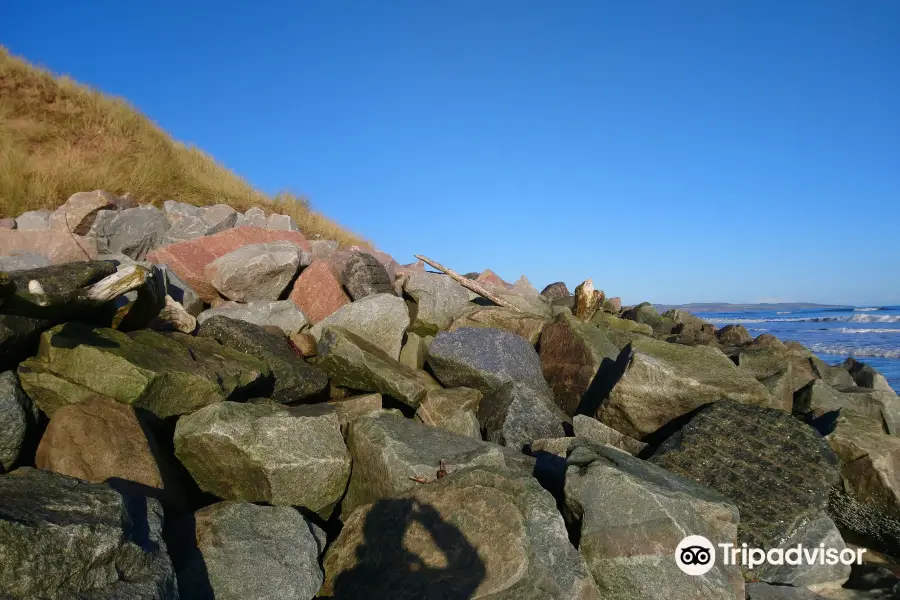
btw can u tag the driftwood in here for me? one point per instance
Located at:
(469, 284)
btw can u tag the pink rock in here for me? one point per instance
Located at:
(488, 276)
(189, 258)
(58, 246)
(80, 210)
(403, 270)
(318, 291)
(7, 223)
(615, 304)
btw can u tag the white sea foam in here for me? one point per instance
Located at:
(855, 351)
(863, 318)
(865, 309)
(868, 330)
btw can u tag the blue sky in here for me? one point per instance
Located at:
(673, 151)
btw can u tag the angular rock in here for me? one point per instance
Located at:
(479, 533)
(186, 228)
(766, 591)
(282, 314)
(135, 232)
(517, 414)
(490, 278)
(486, 359)
(620, 332)
(62, 538)
(757, 457)
(265, 453)
(176, 211)
(363, 275)
(168, 375)
(770, 367)
(865, 376)
(594, 431)
(556, 291)
(453, 409)
(219, 217)
(571, 354)
(257, 272)
(734, 335)
(250, 552)
(355, 363)
(295, 381)
(18, 419)
(34, 220)
(58, 246)
(499, 317)
(654, 382)
(632, 515)
(318, 291)
(819, 398)
(323, 248)
(253, 217)
(645, 313)
(818, 532)
(18, 261)
(100, 439)
(354, 407)
(414, 351)
(439, 301)
(77, 214)
(587, 301)
(285, 222)
(181, 292)
(380, 319)
(687, 320)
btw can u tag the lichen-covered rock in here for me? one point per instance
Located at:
(593, 430)
(507, 319)
(479, 533)
(646, 314)
(734, 335)
(167, 374)
(819, 398)
(380, 319)
(439, 301)
(415, 350)
(62, 538)
(255, 272)
(266, 453)
(631, 515)
(294, 380)
(282, 314)
(250, 552)
(362, 275)
(18, 419)
(620, 332)
(353, 407)
(453, 409)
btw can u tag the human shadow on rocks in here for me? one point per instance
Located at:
(386, 568)
(604, 381)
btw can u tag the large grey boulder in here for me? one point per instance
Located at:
(18, 261)
(654, 382)
(137, 231)
(362, 275)
(591, 429)
(34, 220)
(478, 533)
(631, 516)
(256, 271)
(453, 409)
(380, 319)
(819, 532)
(266, 453)
(357, 364)
(499, 317)
(516, 415)
(294, 380)
(282, 314)
(62, 538)
(818, 397)
(865, 376)
(438, 299)
(390, 453)
(18, 419)
(250, 552)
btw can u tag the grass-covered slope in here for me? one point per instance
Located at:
(58, 137)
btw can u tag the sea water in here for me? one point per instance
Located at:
(870, 334)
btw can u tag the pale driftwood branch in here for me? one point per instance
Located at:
(470, 284)
(127, 279)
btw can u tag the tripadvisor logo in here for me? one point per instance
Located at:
(696, 555)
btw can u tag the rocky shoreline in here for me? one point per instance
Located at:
(201, 403)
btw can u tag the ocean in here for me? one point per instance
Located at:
(869, 334)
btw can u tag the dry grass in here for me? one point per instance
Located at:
(58, 137)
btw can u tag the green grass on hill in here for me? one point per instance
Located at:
(58, 137)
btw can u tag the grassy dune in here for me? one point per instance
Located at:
(58, 137)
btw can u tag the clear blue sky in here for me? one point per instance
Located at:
(673, 151)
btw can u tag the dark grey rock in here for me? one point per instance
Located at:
(19, 337)
(363, 275)
(18, 261)
(516, 415)
(556, 291)
(821, 530)
(137, 231)
(765, 591)
(866, 376)
(18, 418)
(283, 314)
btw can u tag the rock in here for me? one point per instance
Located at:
(593, 430)
(869, 461)
(63, 538)
(294, 380)
(865, 376)
(490, 278)
(187, 228)
(654, 382)
(18, 261)
(486, 359)
(571, 354)
(181, 292)
(645, 313)
(734, 335)
(864, 522)
(631, 515)
(100, 439)
(282, 314)
(190, 258)
(176, 211)
(219, 217)
(58, 246)
(284, 222)
(7, 223)
(780, 386)
(414, 351)
(63, 280)
(34, 220)
(18, 419)
(354, 407)
(687, 320)
(498, 317)
(318, 291)
(765, 591)
(517, 414)
(555, 291)
(770, 367)
(19, 338)
(363, 275)
(167, 374)
(135, 232)
(355, 363)
(265, 453)
(380, 319)
(439, 301)
(250, 552)
(620, 332)
(77, 214)
(323, 248)
(767, 340)
(820, 398)
(756, 457)
(453, 409)
(817, 533)
(255, 272)
(479, 533)
(253, 217)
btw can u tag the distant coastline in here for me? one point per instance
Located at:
(710, 307)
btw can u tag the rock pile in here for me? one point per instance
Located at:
(199, 403)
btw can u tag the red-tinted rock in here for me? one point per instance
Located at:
(613, 304)
(189, 258)
(488, 276)
(318, 291)
(58, 246)
(7, 223)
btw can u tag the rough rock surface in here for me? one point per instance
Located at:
(767, 591)
(318, 291)
(593, 430)
(34, 220)
(282, 314)
(865, 376)
(353, 407)
(819, 398)
(256, 272)
(18, 419)
(516, 415)
(556, 291)
(77, 214)
(380, 319)
(415, 350)
(266, 453)
(61, 538)
(363, 275)
(439, 301)
(18, 261)
(453, 409)
(58, 246)
(631, 515)
(477, 533)
(499, 317)
(734, 335)
(135, 232)
(294, 380)
(250, 552)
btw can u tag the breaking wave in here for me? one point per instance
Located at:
(872, 330)
(867, 309)
(861, 318)
(854, 351)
